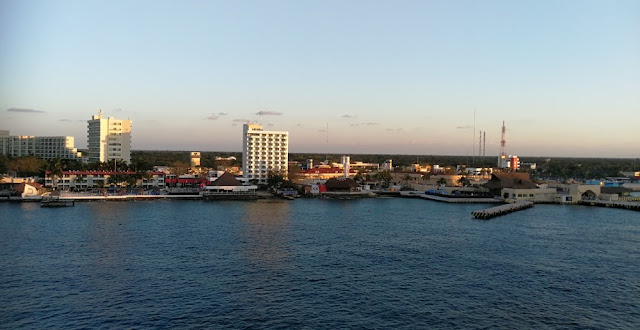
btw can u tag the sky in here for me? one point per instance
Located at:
(392, 77)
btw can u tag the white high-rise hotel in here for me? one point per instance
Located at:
(47, 147)
(264, 152)
(109, 139)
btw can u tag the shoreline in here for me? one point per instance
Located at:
(634, 206)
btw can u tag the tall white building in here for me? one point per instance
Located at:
(108, 139)
(264, 152)
(47, 147)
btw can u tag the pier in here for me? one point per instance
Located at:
(615, 204)
(451, 198)
(501, 210)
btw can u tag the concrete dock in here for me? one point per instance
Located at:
(452, 199)
(615, 204)
(500, 210)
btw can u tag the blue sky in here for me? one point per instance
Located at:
(386, 76)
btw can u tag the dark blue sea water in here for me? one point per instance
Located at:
(317, 264)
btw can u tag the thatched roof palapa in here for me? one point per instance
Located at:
(341, 183)
(510, 180)
(226, 179)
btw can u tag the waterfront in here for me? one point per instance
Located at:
(370, 263)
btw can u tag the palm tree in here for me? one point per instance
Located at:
(79, 180)
(55, 172)
(464, 181)
(407, 178)
(442, 182)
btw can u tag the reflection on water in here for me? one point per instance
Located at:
(384, 263)
(266, 234)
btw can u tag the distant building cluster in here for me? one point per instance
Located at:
(107, 139)
(265, 160)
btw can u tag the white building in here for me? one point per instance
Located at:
(195, 159)
(47, 147)
(388, 165)
(264, 152)
(109, 139)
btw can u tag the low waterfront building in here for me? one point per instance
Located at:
(342, 185)
(538, 195)
(500, 181)
(320, 173)
(30, 189)
(226, 186)
(84, 180)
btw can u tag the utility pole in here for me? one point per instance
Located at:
(473, 144)
(480, 144)
(484, 143)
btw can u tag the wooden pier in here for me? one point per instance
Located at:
(501, 210)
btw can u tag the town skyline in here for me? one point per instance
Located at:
(386, 78)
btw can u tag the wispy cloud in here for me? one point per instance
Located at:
(117, 110)
(213, 117)
(268, 113)
(464, 127)
(348, 116)
(25, 110)
(240, 120)
(364, 124)
(65, 120)
(395, 130)
(222, 113)
(299, 125)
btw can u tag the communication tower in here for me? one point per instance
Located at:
(503, 147)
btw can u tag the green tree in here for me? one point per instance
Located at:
(25, 166)
(131, 181)
(55, 172)
(79, 180)
(274, 180)
(179, 167)
(407, 178)
(442, 182)
(464, 181)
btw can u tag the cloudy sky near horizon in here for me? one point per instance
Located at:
(385, 76)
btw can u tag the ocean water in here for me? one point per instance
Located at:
(317, 264)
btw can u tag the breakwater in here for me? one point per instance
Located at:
(493, 212)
